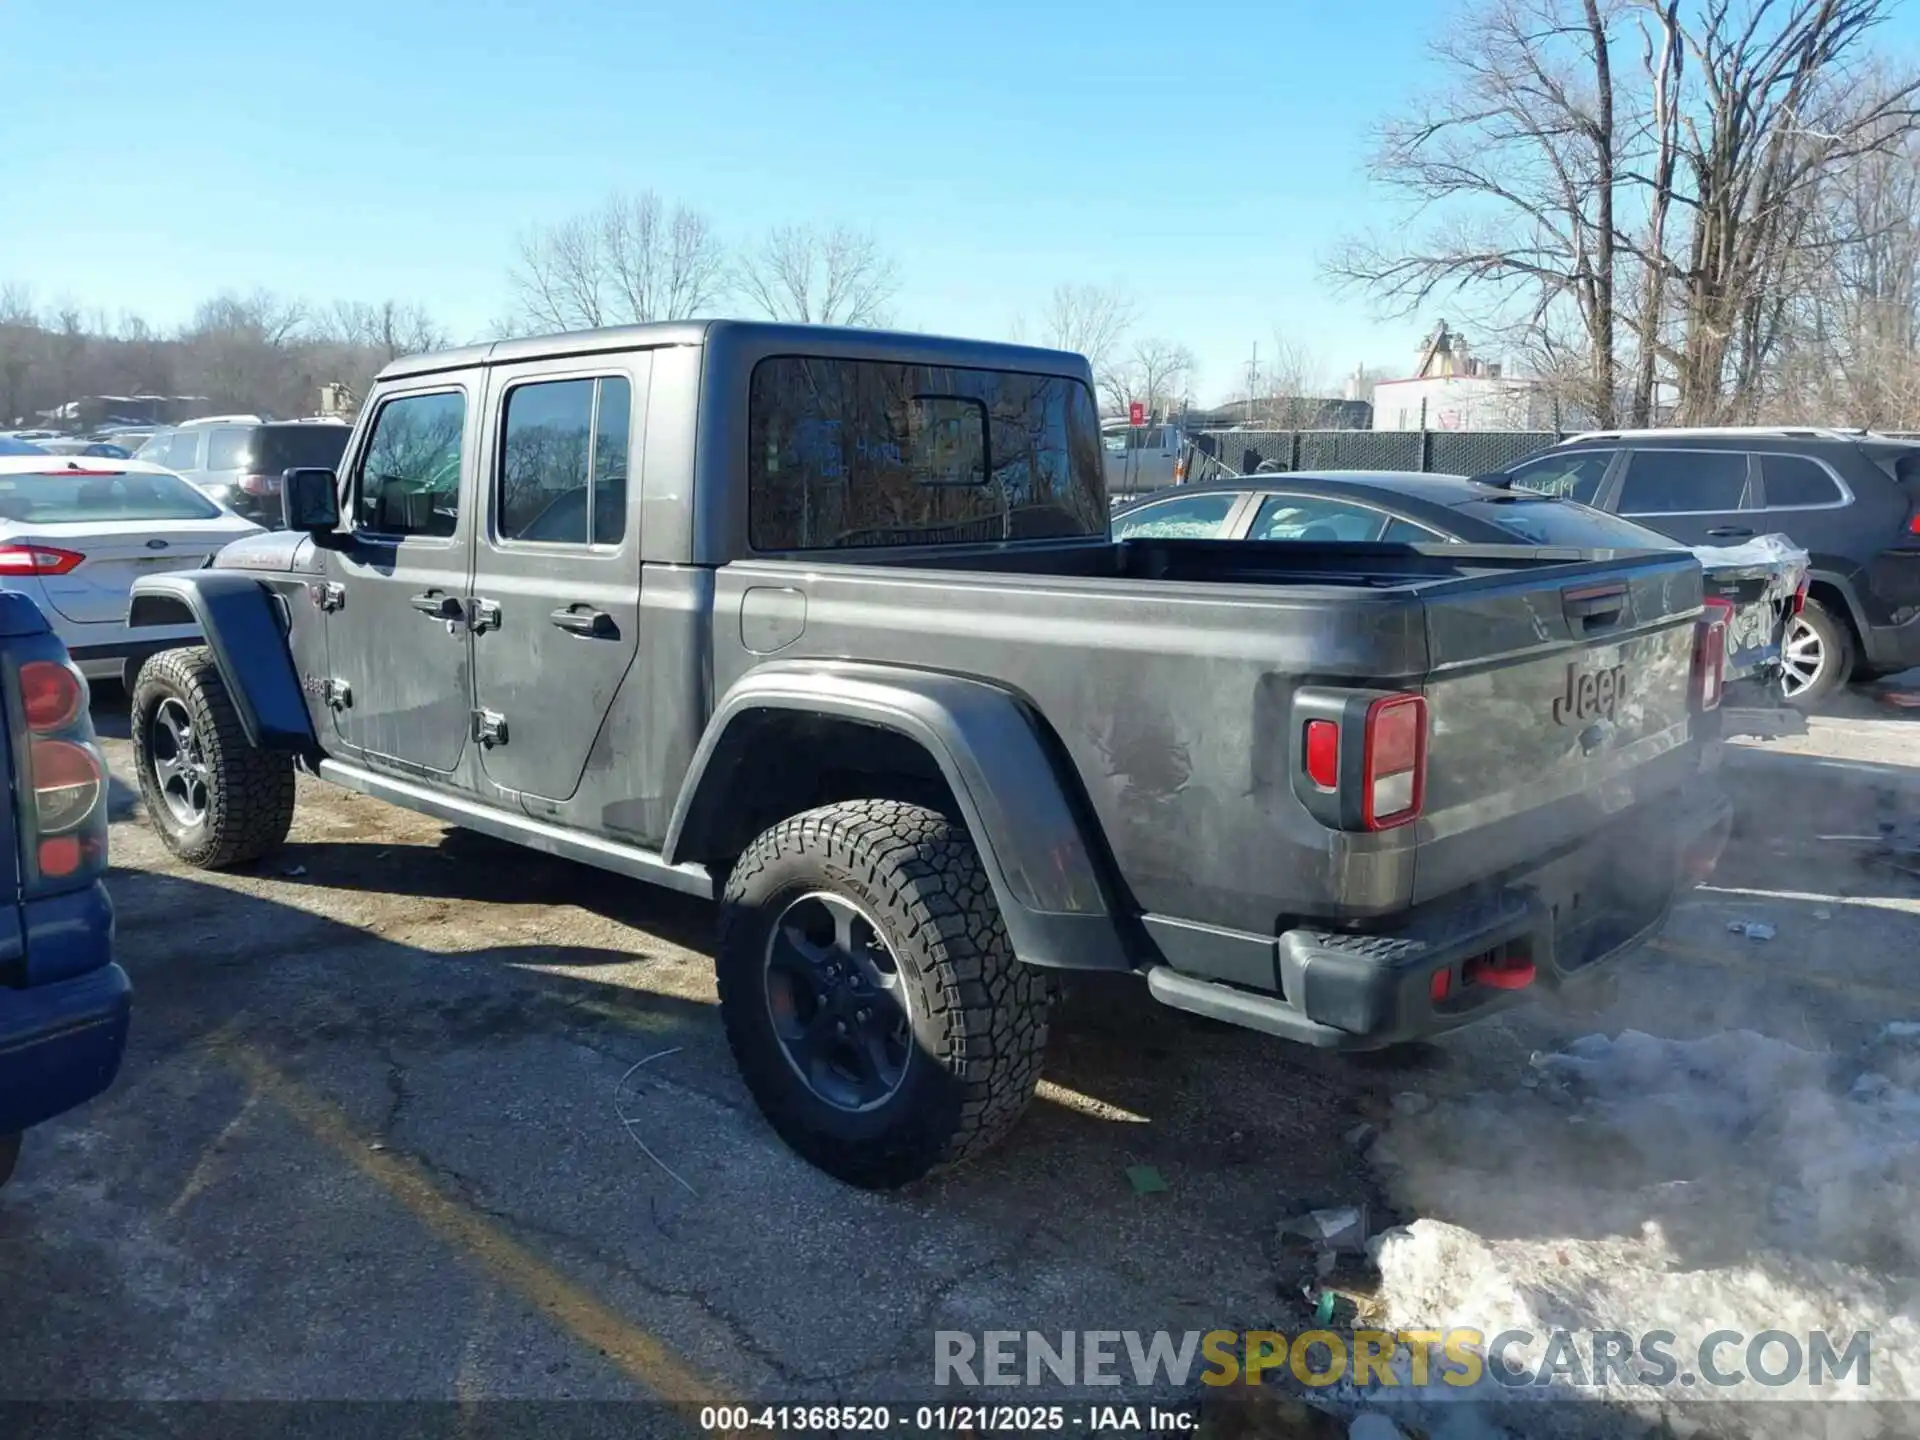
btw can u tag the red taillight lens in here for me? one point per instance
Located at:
(51, 694)
(1394, 768)
(1710, 654)
(1799, 597)
(37, 560)
(66, 785)
(1323, 754)
(260, 484)
(1913, 525)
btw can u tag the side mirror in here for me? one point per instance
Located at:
(310, 501)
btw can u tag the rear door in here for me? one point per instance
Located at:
(1698, 496)
(398, 642)
(556, 566)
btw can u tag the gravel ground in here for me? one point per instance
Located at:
(409, 1114)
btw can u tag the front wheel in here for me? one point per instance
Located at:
(213, 798)
(1818, 656)
(870, 996)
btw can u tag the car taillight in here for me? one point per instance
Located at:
(1800, 596)
(260, 484)
(63, 811)
(1394, 762)
(1710, 653)
(37, 560)
(1323, 754)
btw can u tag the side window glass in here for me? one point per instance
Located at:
(1193, 517)
(1405, 532)
(183, 451)
(1572, 476)
(1680, 482)
(563, 462)
(1311, 518)
(227, 449)
(409, 482)
(1794, 481)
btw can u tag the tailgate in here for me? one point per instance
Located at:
(1557, 698)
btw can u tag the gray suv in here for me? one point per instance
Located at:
(238, 460)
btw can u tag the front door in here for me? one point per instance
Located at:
(556, 585)
(398, 642)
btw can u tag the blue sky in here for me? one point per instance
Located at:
(1205, 156)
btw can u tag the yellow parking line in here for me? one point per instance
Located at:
(1757, 966)
(637, 1353)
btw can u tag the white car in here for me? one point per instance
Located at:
(75, 531)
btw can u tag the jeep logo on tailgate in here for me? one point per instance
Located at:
(1595, 692)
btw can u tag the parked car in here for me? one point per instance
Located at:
(63, 1002)
(1849, 498)
(74, 534)
(73, 445)
(1760, 587)
(839, 637)
(238, 461)
(11, 446)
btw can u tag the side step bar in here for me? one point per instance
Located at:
(629, 860)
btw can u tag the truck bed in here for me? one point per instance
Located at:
(1169, 674)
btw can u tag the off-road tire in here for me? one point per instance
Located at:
(249, 791)
(1839, 655)
(979, 1015)
(9, 1156)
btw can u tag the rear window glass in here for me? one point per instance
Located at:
(295, 447)
(860, 452)
(1541, 521)
(62, 498)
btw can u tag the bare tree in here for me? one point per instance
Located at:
(808, 276)
(1158, 373)
(1516, 161)
(634, 259)
(390, 329)
(1290, 389)
(1089, 320)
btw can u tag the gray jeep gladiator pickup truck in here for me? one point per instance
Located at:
(828, 625)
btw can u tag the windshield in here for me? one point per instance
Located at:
(63, 498)
(1540, 520)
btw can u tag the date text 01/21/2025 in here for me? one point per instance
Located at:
(949, 1419)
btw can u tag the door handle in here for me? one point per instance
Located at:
(441, 607)
(1730, 532)
(583, 622)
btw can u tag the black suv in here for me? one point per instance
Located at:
(1850, 498)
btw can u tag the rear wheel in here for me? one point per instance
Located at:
(1818, 658)
(870, 995)
(213, 798)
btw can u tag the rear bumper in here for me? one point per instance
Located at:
(60, 1044)
(1547, 928)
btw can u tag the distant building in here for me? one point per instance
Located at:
(1453, 389)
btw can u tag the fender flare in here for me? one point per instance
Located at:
(1029, 837)
(240, 620)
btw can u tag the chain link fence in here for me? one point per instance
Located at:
(1219, 454)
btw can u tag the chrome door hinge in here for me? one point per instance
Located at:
(330, 596)
(338, 694)
(489, 727)
(483, 615)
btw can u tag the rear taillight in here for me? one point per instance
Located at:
(1323, 754)
(1394, 764)
(37, 560)
(1710, 653)
(1913, 523)
(63, 813)
(260, 484)
(1800, 596)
